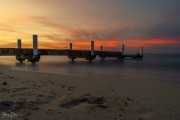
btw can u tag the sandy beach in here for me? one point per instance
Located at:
(42, 96)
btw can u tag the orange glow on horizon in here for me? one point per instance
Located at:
(83, 45)
(150, 42)
(111, 44)
(44, 43)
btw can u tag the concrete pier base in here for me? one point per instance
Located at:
(72, 59)
(20, 58)
(33, 58)
(90, 58)
(102, 59)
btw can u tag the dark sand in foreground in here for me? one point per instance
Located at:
(41, 96)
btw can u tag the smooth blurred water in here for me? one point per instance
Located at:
(160, 67)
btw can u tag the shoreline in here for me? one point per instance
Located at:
(44, 95)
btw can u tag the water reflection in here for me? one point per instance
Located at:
(20, 64)
(34, 66)
(151, 65)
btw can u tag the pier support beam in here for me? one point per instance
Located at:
(141, 51)
(19, 56)
(35, 57)
(70, 48)
(92, 51)
(101, 48)
(92, 48)
(122, 55)
(91, 56)
(35, 45)
(122, 50)
(101, 56)
(139, 55)
(19, 43)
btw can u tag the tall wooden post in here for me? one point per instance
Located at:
(92, 48)
(122, 50)
(141, 51)
(35, 45)
(70, 46)
(19, 43)
(101, 48)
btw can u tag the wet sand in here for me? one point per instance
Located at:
(41, 96)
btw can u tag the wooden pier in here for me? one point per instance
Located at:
(34, 55)
(24, 54)
(73, 54)
(91, 55)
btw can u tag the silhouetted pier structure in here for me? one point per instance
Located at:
(88, 55)
(91, 55)
(24, 54)
(105, 54)
(33, 55)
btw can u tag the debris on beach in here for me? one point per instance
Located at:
(4, 83)
(75, 101)
(4, 90)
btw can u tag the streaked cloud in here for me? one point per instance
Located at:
(108, 23)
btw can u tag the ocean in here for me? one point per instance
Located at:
(155, 66)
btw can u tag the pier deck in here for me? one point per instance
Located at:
(70, 53)
(34, 55)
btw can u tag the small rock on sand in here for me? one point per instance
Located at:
(34, 108)
(126, 104)
(41, 95)
(4, 83)
(7, 103)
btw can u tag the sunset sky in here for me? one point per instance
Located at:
(154, 24)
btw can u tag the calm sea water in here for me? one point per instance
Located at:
(158, 67)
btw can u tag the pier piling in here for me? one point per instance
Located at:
(101, 56)
(20, 56)
(70, 48)
(92, 48)
(35, 45)
(101, 48)
(92, 52)
(19, 43)
(35, 56)
(122, 50)
(141, 51)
